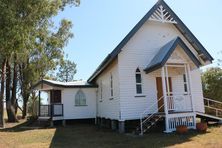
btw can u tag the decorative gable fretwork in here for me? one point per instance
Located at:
(161, 15)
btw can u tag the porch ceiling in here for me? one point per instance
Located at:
(165, 52)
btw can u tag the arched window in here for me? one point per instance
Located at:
(80, 98)
(138, 81)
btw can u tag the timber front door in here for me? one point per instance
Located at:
(159, 87)
(55, 96)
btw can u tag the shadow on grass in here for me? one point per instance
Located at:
(21, 126)
(88, 135)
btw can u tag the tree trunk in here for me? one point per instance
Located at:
(24, 111)
(25, 86)
(25, 101)
(9, 106)
(2, 93)
(14, 101)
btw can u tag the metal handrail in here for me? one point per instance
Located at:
(141, 117)
(215, 101)
(213, 108)
(146, 110)
(210, 107)
(152, 114)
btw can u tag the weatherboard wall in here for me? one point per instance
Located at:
(108, 106)
(197, 90)
(138, 52)
(71, 111)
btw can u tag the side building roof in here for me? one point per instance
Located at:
(74, 84)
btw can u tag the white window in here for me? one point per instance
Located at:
(111, 86)
(101, 91)
(185, 83)
(80, 98)
(138, 81)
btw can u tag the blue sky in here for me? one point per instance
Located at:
(99, 25)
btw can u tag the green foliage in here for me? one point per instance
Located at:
(33, 104)
(212, 83)
(27, 30)
(67, 70)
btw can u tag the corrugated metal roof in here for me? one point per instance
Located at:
(165, 52)
(74, 84)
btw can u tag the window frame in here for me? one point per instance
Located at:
(101, 91)
(185, 84)
(138, 72)
(79, 97)
(111, 87)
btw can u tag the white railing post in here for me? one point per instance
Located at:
(167, 81)
(165, 98)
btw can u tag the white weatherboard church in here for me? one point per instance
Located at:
(153, 73)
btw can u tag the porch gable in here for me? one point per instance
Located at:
(166, 51)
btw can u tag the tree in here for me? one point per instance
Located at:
(27, 32)
(212, 83)
(45, 57)
(67, 70)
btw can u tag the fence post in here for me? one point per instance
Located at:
(52, 110)
(39, 103)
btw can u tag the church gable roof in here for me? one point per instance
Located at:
(152, 14)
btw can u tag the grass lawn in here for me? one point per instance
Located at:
(86, 135)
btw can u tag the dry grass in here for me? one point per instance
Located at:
(85, 135)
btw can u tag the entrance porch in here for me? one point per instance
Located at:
(174, 89)
(177, 100)
(174, 98)
(171, 67)
(51, 107)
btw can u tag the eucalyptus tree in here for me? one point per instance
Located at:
(46, 56)
(66, 71)
(29, 42)
(212, 83)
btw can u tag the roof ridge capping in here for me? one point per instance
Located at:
(180, 26)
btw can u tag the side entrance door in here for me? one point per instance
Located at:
(55, 96)
(159, 87)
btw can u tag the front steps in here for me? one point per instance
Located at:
(148, 123)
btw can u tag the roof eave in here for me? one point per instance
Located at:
(178, 41)
(187, 31)
(180, 24)
(62, 86)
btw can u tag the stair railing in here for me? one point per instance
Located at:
(208, 102)
(149, 116)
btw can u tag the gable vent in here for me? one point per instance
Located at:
(161, 15)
